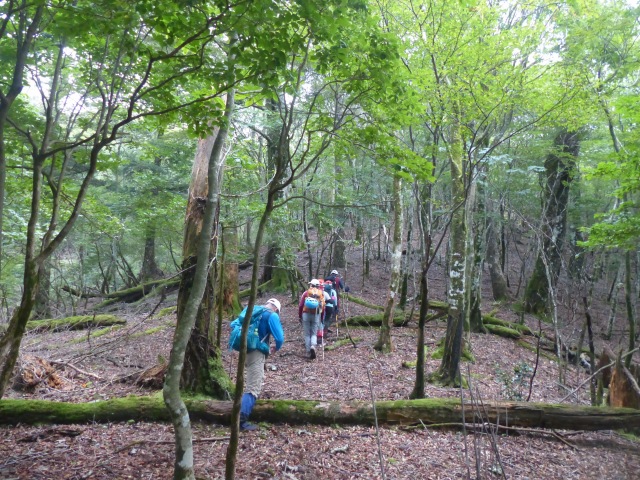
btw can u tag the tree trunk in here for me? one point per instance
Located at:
(197, 286)
(559, 166)
(384, 343)
(498, 281)
(445, 412)
(628, 297)
(475, 205)
(230, 302)
(198, 376)
(406, 264)
(42, 306)
(339, 250)
(449, 371)
(150, 270)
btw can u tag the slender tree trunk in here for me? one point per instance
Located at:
(449, 371)
(150, 270)
(424, 221)
(384, 342)
(10, 341)
(628, 296)
(406, 264)
(183, 465)
(613, 299)
(477, 220)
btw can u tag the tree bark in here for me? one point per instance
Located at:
(446, 412)
(498, 281)
(187, 318)
(384, 343)
(559, 166)
(449, 371)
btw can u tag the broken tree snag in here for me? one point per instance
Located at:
(606, 357)
(623, 389)
(436, 412)
(74, 323)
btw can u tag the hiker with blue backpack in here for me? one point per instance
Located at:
(264, 324)
(310, 314)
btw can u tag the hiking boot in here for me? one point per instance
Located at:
(312, 353)
(247, 427)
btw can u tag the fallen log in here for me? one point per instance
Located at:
(133, 294)
(80, 322)
(433, 304)
(435, 412)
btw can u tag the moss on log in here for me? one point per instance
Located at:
(433, 304)
(74, 323)
(491, 320)
(503, 331)
(403, 412)
(375, 320)
(341, 343)
(352, 298)
(133, 294)
(245, 293)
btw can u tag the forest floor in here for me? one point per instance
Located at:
(137, 450)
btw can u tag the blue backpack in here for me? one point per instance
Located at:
(254, 342)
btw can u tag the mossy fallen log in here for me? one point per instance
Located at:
(433, 304)
(246, 292)
(431, 411)
(491, 320)
(399, 320)
(503, 331)
(341, 343)
(375, 320)
(133, 294)
(74, 323)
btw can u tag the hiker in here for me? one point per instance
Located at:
(330, 307)
(310, 313)
(338, 284)
(254, 367)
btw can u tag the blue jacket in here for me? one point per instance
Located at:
(270, 326)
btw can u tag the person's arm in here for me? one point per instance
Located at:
(301, 304)
(275, 327)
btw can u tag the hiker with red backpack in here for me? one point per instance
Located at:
(310, 313)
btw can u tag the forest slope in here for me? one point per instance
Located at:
(145, 450)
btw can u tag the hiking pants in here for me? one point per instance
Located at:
(310, 325)
(254, 372)
(328, 318)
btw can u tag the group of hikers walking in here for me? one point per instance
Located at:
(317, 310)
